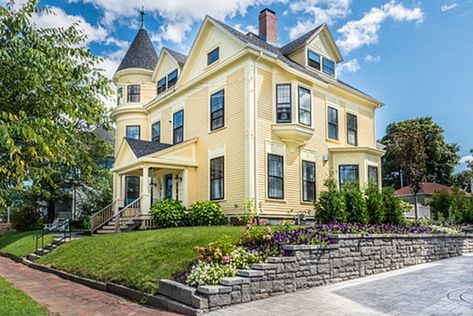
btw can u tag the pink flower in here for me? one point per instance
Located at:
(226, 259)
(209, 260)
(248, 225)
(201, 257)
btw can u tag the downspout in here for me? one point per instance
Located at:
(255, 94)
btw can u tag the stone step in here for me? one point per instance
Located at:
(104, 231)
(42, 251)
(58, 241)
(50, 247)
(33, 257)
(251, 273)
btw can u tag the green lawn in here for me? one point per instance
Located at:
(14, 302)
(20, 244)
(135, 259)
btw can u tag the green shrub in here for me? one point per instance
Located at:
(205, 213)
(439, 205)
(26, 217)
(374, 204)
(168, 213)
(451, 208)
(393, 209)
(330, 206)
(355, 204)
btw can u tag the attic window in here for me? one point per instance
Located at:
(329, 67)
(172, 78)
(313, 59)
(162, 85)
(213, 56)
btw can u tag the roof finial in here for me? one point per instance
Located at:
(142, 13)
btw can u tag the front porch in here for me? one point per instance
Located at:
(142, 177)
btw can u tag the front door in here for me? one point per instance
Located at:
(168, 186)
(132, 189)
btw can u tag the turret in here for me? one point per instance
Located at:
(135, 88)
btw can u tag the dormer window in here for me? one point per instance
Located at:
(172, 78)
(313, 59)
(162, 85)
(167, 82)
(133, 93)
(329, 67)
(213, 56)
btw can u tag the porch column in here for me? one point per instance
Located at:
(117, 190)
(145, 195)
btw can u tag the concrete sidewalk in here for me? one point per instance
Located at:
(439, 288)
(62, 297)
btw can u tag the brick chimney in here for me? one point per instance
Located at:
(268, 26)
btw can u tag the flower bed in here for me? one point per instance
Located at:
(223, 258)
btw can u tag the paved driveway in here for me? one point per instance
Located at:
(440, 288)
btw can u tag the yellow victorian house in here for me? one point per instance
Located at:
(239, 118)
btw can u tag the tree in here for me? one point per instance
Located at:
(463, 180)
(409, 149)
(51, 98)
(442, 157)
(355, 203)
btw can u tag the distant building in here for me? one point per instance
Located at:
(425, 194)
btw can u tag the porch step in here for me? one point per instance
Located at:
(105, 231)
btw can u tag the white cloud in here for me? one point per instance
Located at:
(365, 31)
(448, 7)
(349, 66)
(178, 16)
(372, 59)
(466, 159)
(249, 28)
(316, 12)
(58, 18)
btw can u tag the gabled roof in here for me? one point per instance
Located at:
(308, 37)
(298, 42)
(180, 58)
(144, 148)
(141, 53)
(256, 41)
(427, 188)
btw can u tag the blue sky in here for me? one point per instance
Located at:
(415, 56)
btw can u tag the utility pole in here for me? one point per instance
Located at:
(402, 180)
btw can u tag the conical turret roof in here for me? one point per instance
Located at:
(141, 53)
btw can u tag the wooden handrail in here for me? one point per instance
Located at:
(129, 212)
(102, 217)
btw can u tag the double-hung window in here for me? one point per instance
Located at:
(275, 177)
(162, 85)
(213, 56)
(373, 174)
(305, 108)
(217, 110)
(217, 178)
(283, 103)
(308, 181)
(352, 129)
(332, 117)
(313, 59)
(133, 93)
(348, 174)
(119, 96)
(156, 132)
(133, 131)
(172, 78)
(329, 67)
(178, 127)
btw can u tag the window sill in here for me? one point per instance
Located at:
(218, 201)
(217, 130)
(271, 200)
(307, 202)
(212, 65)
(334, 141)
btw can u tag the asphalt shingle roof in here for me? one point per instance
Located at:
(180, 58)
(141, 53)
(298, 42)
(144, 148)
(253, 39)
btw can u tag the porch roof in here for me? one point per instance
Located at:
(143, 147)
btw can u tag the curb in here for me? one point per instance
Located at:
(136, 296)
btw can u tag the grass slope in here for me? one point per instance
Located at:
(135, 259)
(14, 302)
(20, 244)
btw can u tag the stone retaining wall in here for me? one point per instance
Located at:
(349, 257)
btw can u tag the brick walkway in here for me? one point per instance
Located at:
(62, 297)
